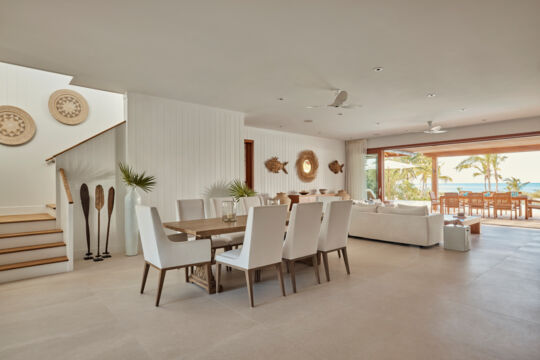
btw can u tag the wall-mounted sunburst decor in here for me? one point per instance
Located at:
(16, 126)
(68, 106)
(307, 165)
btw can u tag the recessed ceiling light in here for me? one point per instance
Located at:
(281, 99)
(378, 123)
(431, 95)
(280, 126)
(462, 109)
(484, 120)
(378, 69)
(340, 114)
(308, 121)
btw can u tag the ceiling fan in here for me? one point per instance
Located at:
(434, 129)
(341, 97)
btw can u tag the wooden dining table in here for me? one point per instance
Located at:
(204, 229)
(520, 198)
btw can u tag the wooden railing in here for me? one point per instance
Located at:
(66, 185)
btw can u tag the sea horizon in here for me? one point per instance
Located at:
(479, 187)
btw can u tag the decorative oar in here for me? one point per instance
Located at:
(100, 199)
(110, 206)
(85, 202)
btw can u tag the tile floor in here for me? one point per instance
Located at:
(400, 302)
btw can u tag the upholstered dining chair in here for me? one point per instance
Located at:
(302, 237)
(326, 200)
(163, 254)
(249, 201)
(234, 239)
(262, 247)
(335, 232)
(503, 201)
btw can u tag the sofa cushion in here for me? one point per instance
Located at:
(400, 211)
(422, 210)
(365, 208)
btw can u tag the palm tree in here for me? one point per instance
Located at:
(496, 161)
(483, 166)
(514, 184)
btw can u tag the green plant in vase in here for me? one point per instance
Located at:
(239, 189)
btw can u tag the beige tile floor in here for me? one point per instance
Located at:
(400, 302)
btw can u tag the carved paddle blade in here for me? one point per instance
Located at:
(85, 199)
(110, 201)
(100, 197)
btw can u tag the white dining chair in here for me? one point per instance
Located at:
(188, 209)
(327, 200)
(302, 237)
(165, 255)
(233, 239)
(262, 247)
(249, 202)
(335, 232)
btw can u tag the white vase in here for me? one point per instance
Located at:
(130, 225)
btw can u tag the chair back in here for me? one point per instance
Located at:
(451, 199)
(370, 194)
(216, 204)
(326, 200)
(502, 199)
(303, 230)
(249, 202)
(335, 225)
(432, 196)
(476, 199)
(191, 209)
(263, 239)
(152, 233)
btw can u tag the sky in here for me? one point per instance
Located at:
(525, 166)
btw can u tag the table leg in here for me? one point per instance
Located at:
(475, 228)
(203, 277)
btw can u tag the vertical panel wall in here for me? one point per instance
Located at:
(286, 146)
(188, 147)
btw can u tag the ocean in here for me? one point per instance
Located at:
(479, 187)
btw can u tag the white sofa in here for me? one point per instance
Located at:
(404, 224)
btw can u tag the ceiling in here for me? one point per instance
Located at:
(482, 56)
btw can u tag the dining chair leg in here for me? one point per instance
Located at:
(339, 254)
(187, 273)
(346, 260)
(218, 276)
(249, 284)
(293, 276)
(316, 268)
(160, 285)
(145, 275)
(280, 276)
(326, 268)
(287, 266)
(318, 258)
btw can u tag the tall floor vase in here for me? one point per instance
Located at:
(130, 225)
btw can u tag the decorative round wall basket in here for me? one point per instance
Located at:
(307, 165)
(68, 106)
(16, 126)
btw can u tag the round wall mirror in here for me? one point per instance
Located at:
(307, 165)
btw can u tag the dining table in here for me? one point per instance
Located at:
(521, 198)
(205, 229)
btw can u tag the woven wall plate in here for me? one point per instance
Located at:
(68, 106)
(307, 165)
(16, 126)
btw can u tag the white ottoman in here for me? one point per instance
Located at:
(457, 237)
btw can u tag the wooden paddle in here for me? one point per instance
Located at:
(85, 202)
(110, 206)
(100, 200)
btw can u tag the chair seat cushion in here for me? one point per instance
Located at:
(236, 238)
(178, 237)
(228, 257)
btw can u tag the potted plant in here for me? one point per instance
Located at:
(133, 181)
(237, 189)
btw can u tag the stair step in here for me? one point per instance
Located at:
(33, 263)
(51, 206)
(30, 238)
(30, 233)
(32, 247)
(9, 219)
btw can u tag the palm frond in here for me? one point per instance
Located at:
(131, 178)
(238, 189)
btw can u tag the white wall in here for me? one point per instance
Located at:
(96, 162)
(188, 147)
(26, 179)
(488, 129)
(287, 146)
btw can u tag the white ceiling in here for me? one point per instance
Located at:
(481, 55)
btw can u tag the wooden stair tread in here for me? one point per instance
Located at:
(32, 247)
(51, 206)
(7, 219)
(33, 263)
(30, 233)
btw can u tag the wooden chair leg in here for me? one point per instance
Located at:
(316, 268)
(249, 284)
(339, 254)
(346, 260)
(318, 258)
(280, 276)
(160, 285)
(218, 276)
(293, 276)
(187, 273)
(145, 275)
(326, 268)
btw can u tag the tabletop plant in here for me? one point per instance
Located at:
(137, 180)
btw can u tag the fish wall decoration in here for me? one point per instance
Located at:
(274, 165)
(335, 167)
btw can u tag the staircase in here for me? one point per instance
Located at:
(30, 246)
